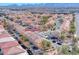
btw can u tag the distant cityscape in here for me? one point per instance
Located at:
(39, 29)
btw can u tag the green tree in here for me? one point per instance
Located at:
(62, 35)
(46, 45)
(24, 38)
(6, 17)
(72, 27)
(5, 24)
(75, 50)
(18, 17)
(44, 20)
(64, 49)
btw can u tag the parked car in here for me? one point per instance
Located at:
(55, 40)
(29, 52)
(35, 48)
(1, 53)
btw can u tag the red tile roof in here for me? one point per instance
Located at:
(8, 44)
(13, 50)
(4, 35)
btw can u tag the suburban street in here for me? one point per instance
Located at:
(77, 23)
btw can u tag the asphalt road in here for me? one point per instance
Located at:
(77, 23)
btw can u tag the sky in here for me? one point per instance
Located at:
(42, 4)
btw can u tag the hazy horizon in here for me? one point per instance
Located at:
(42, 4)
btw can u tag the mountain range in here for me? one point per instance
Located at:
(40, 5)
